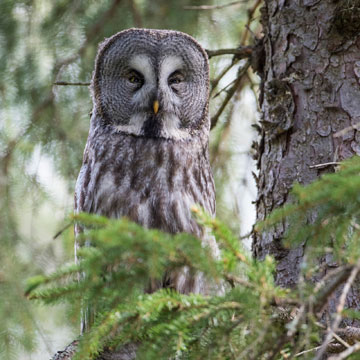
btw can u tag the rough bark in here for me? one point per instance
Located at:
(311, 91)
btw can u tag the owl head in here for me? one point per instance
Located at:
(152, 83)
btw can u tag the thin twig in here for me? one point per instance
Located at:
(230, 93)
(251, 32)
(236, 279)
(330, 275)
(307, 351)
(219, 155)
(241, 52)
(346, 353)
(243, 237)
(250, 18)
(89, 36)
(223, 89)
(215, 82)
(64, 83)
(336, 280)
(283, 302)
(340, 340)
(320, 166)
(339, 309)
(212, 7)
(347, 129)
(62, 230)
(6, 157)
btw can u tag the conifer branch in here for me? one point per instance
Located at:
(251, 13)
(324, 165)
(230, 94)
(339, 309)
(307, 351)
(344, 131)
(214, 7)
(214, 83)
(125, 257)
(343, 355)
(90, 34)
(241, 52)
(335, 281)
(64, 83)
(62, 230)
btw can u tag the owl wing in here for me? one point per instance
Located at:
(82, 196)
(83, 193)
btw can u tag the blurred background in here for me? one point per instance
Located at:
(43, 130)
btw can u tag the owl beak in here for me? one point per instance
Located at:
(156, 106)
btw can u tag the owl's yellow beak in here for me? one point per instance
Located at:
(156, 106)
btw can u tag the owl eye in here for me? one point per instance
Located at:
(175, 78)
(135, 78)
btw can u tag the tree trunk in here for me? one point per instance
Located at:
(310, 93)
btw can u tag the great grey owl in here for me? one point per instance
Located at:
(146, 156)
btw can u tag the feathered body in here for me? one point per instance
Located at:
(152, 182)
(146, 156)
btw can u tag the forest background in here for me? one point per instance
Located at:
(301, 302)
(43, 130)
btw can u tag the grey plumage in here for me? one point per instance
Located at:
(144, 160)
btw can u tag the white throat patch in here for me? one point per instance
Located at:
(170, 126)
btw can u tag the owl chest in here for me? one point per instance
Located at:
(151, 195)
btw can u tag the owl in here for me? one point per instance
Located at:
(146, 155)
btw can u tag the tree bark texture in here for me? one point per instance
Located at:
(311, 92)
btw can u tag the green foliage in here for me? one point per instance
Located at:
(43, 129)
(253, 319)
(42, 42)
(12, 297)
(325, 214)
(124, 259)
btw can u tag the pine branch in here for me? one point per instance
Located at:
(125, 257)
(334, 327)
(230, 94)
(329, 288)
(241, 52)
(91, 33)
(251, 13)
(64, 83)
(343, 355)
(214, 83)
(214, 7)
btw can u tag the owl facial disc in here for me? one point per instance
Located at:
(156, 117)
(154, 85)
